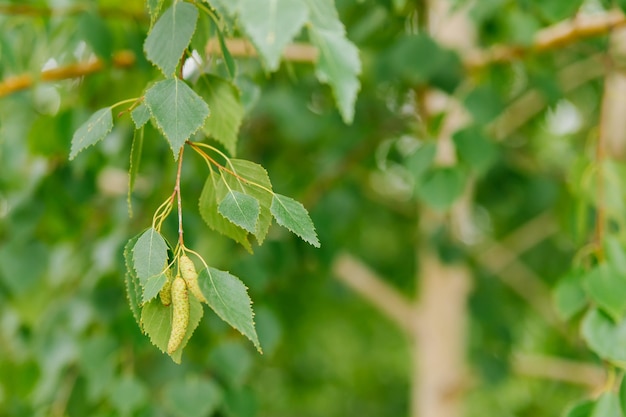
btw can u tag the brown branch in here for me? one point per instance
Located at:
(360, 278)
(122, 59)
(559, 369)
(242, 48)
(553, 37)
(36, 11)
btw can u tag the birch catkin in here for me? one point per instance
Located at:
(166, 292)
(180, 314)
(188, 271)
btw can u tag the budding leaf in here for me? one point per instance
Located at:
(291, 214)
(93, 130)
(241, 209)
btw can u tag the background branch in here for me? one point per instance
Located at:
(122, 59)
(362, 280)
(548, 367)
(558, 35)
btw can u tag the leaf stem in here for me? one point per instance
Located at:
(210, 161)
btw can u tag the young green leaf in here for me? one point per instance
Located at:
(228, 297)
(213, 192)
(169, 37)
(241, 209)
(93, 130)
(569, 295)
(475, 149)
(153, 286)
(581, 409)
(177, 110)
(133, 286)
(149, 255)
(140, 115)
(271, 25)
(254, 173)
(156, 320)
(292, 215)
(192, 397)
(338, 64)
(226, 110)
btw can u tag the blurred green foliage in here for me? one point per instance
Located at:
(68, 342)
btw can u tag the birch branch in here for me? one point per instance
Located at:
(122, 59)
(556, 36)
(559, 369)
(357, 276)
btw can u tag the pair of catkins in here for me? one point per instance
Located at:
(174, 293)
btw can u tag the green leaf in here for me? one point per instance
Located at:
(582, 409)
(98, 357)
(140, 115)
(128, 394)
(152, 286)
(475, 149)
(93, 130)
(338, 64)
(271, 25)
(615, 254)
(608, 289)
(192, 397)
(228, 58)
(169, 37)
(441, 187)
(177, 110)
(214, 191)
(607, 406)
(254, 173)
(420, 161)
(228, 297)
(292, 215)
(229, 7)
(154, 8)
(605, 337)
(241, 209)
(569, 295)
(156, 320)
(133, 286)
(484, 104)
(226, 110)
(135, 157)
(149, 255)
